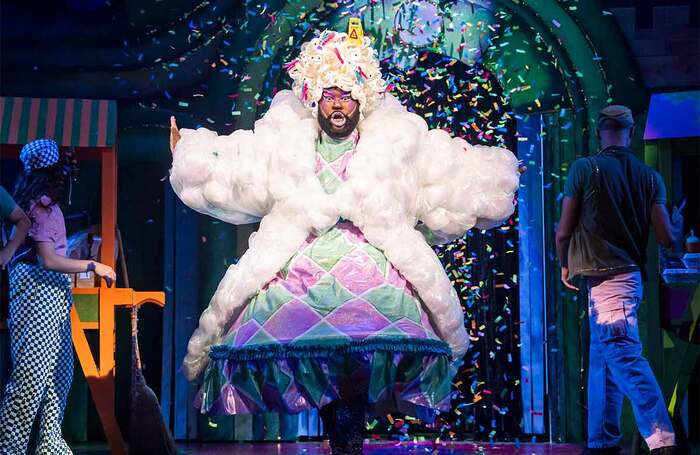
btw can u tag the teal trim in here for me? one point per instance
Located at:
(6, 120)
(60, 120)
(94, 126)
(24, 121)
(41, 120)
(111, 123)
(292, 350)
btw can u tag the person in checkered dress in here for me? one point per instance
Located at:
(40, 303)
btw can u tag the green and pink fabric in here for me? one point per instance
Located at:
(338, 318)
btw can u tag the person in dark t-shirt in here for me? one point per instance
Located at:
(610, 200)
(10, 212)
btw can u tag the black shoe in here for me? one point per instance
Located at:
(615, 450)
(346, 450)
(344, 422)
(668, 450)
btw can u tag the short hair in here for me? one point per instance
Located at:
(611, 125)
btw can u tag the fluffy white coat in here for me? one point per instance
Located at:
(405, 184)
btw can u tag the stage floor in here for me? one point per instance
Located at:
(381, 448)
(317, 448)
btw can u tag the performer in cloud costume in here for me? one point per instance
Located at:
(339, 303)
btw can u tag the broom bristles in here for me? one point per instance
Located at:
(148, 433)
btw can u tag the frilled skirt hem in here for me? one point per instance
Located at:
(393, 373)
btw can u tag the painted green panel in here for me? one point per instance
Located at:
(87, 307)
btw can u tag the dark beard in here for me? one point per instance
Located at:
(335, 133)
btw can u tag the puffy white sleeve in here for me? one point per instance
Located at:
(222, 176)
(462, 186)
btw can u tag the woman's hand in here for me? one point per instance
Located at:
(52, 261)
(106, 272)
(174, 134)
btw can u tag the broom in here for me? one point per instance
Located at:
(148, 434)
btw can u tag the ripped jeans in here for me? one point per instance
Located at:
(617, 367)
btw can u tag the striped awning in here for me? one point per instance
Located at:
(70, 122)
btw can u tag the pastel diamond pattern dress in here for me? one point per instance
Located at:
(338, 319)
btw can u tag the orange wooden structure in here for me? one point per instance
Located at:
(89, 125)
(100, 378)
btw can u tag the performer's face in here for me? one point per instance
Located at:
(338, 113)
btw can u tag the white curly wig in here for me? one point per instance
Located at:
(331, 60)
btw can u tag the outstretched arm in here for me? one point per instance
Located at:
(462, 186)
(221, 176)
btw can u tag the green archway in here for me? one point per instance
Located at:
(580, 41)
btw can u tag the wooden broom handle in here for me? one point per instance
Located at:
(134, 309)
(122, 259)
